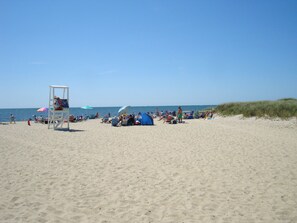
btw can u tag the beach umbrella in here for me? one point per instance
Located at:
(43, 109)
(87, 107)
(124, 110)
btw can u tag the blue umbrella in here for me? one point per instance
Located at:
(124, 110)
(87, 107)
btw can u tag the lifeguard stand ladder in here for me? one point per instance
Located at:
(57, 116)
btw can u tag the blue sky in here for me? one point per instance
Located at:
(153, 52)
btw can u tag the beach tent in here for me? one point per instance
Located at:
(146, 119)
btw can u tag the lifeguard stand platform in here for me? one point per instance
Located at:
(58, 108)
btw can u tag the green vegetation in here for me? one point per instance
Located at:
(283, 108)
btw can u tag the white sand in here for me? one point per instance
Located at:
(221, 170)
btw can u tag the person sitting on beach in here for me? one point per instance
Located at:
(106, 118)
(35, 118)
(121, 119)
(131, 120)
(115, 121)
(209, 115)
(202, 115)
(164, 116)
(137, 119)
(138, 116)
(57, 103)
(127, 120)
(72, 118)
(168, 119)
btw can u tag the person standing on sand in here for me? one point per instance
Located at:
(180, 114)
(12, 119)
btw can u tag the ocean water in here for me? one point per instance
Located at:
(23, 114)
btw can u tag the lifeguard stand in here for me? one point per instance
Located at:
(58, 108)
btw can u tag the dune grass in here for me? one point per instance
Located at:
(283, 108)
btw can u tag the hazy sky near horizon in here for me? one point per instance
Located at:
(147, 52)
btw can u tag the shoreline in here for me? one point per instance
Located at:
(288, 121)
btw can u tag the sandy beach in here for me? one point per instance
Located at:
(221, 170)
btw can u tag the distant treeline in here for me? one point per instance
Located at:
(283, 108)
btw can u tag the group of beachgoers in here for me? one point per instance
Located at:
(72, 118)
(80, 118)
(122, 119)
(170, 117)
(179, 116)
